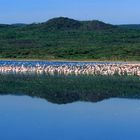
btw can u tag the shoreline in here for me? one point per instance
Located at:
(76, 69)
(67, 60)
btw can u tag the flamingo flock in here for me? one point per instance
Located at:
(92, 69)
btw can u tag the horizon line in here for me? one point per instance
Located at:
(28, 23)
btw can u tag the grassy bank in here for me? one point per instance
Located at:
(64, 89)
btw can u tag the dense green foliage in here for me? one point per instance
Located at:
(64, 38)
(64, 89)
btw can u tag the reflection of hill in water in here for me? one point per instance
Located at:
(62, 89)
(64, 98)
(60, 98)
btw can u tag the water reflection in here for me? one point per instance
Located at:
(61, 89)
(63, 98)
(26, 118)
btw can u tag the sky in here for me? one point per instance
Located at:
(30, 11)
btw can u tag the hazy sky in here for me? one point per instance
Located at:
(29, 11)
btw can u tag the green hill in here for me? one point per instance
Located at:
(65, 38)
(61, 24)
(95, 25)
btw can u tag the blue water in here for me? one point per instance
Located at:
(34, 63)
(26, 118)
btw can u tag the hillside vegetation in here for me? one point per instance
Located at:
(64, 38)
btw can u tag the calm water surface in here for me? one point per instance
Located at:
(34, 63)
(26, 118)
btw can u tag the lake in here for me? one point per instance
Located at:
(27, 118)
(50, 63)
(68, 107)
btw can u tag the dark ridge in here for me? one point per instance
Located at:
(130, 26)
(62, 23)
(19, 25)
(4, 25)
(96, 25)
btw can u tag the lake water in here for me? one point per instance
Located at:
(34, 63)
(26, 118)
